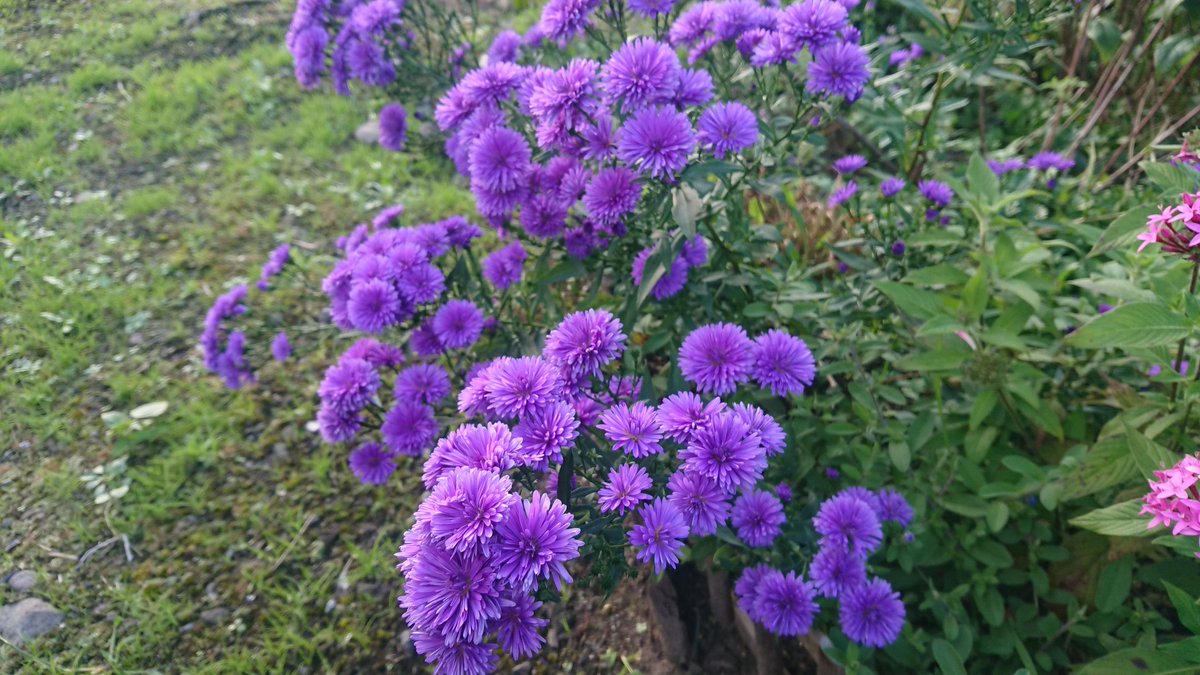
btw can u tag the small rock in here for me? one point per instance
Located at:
(28, 619)
(187, 627)
(23, 581)
(214, 616)
(368, 132)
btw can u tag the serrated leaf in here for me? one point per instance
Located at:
(1118, 520)
(1137, 324)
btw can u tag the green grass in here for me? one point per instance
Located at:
(147, 165)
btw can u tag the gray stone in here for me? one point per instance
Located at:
(214, 616)
(23, 581)
(28, 619)
(368, 132)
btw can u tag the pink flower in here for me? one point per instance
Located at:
(1174, 499)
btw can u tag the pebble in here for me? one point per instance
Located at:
(368, 132)
(23, 581)
(25, 620)
(214, 616)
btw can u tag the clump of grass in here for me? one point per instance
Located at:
(148, 200)
(92, 76)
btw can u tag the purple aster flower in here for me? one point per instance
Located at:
(378, 354)
(671, 282)
(517, 628)
(492, 84)
(368, 63)
(600, 140)
(454, 598)
(421, 284)
(813, 23)
(783, 363)
(784, 492)
(693, 88)
(656, 141)
(469, 506)
(458, 324)
(544, 216)
(491, 448)
(758, 518)
(281, 349)
(424, 341)
(387, 216)
(839, 69)
(536, 541)
(735, 17)
(460, 232)
(563, 20)
(1104, 308)
(726, 452)
(564, 100)
(632, 429)
(692, 24)
(849, 522)
(348, 385)
(660, 536)
(850, 164)
(638, 73)
(545, 433)
(836, 570)
(426, 382)
(936, 191)
(503, 267)
(717, 358)
(499, 160)
(393, 127)
(374, 305)
(1044, 161)
(727, 128)
(775, 48)
(703, 503)
(505, 47)
(695, 251)
(872, 614)
(842, 194)
(898, 248)
(520, 387)
(308, 55)
(611, 194)
(274, 265)
(785, 604)
(1001, 167)
(891, 186)
(683, 414)
(762, 425)
(371, 18)
(409, 427)
(747, 586)
(337, 426)
(892, 506)
(651, 8)
(625, 488)
(371, 464)
(584, 342)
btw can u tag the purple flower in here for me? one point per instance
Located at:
(890, 186)
(584, 342)
(726, 452)
(842, 194)
(700, 499)
(348, 385)
(1000, 168)
(493, 84)
(717, 358)
(499, 160)
(632, 429)
(562, 20)
(378, 354)
(891, 506)
(936, 191)
(671, 282)
(850, 164)
(368, 63)
(839, 69)
(536, 541)
(656, 141)
(374, 305)
(783, 363)
(421, 283)
(651, 8)
(458, 324)
(693, 88)
(813, 23)
(371, 464)
(758, 518)
(1044, 161)
(695, 251)
(452, 599)
(682, 415)
(545, 433)
(747, 587)
(424, 341)
(735, 17)
(1104, 308)
(785, 604)
(660, 536)
(371, 18)
(638, 73)
(727, 128)
(409, 427)
(849, 522)
(898, 248)
(762, 425)
(274, 265)
(774, 49)
(612, 193)
(520, 387)
(393, 126)
(469, 505)
(337, 426)
(544, 215)
(426, 382)
(625, 488)
(503, 267)
(872, 614)
(836, 570)
(280, 348)
(517, 627)
(492, 448)
(784, 492)
(308, 54)
(505, 47)
(692, 24)
(387, 216)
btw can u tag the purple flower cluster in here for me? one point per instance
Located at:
(274, 265)
(717, 358)
(360, 48)
(694, 253)
(224, 354)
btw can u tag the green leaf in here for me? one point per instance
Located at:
(991, 553)
(1170, 178)
(937, 275)
(1137, 324)
(1148, 455)
(567, 269)
(1187, 607)
(997, 516)
(982, 181)
(940, 325)
(1118, 520)
(1107, 36)
(1124, 230)
(991, 606)
(1140, 660)
(901, 455)
(915, 302)
(934, 361)
(1122, 289)
(1172, 51)
(1043, 416)
(965, 505)
(984, 404)
(975, 293)
(947, 658)
(1106, 464)
(685, 208)
(1113, 585)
